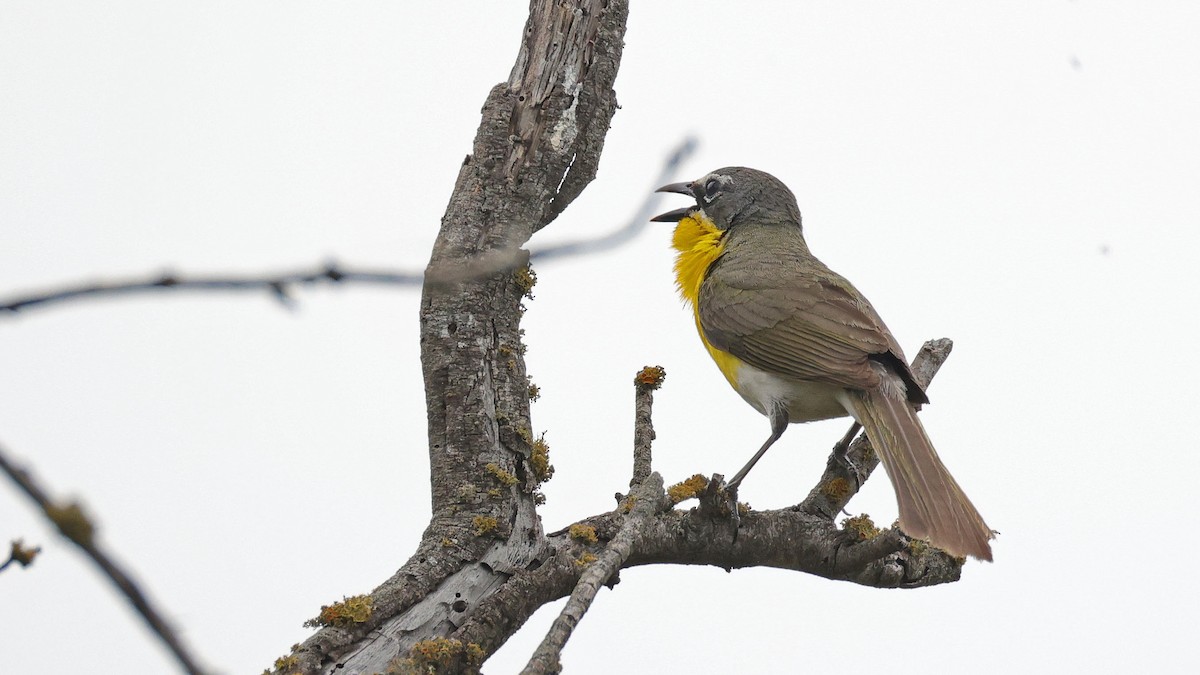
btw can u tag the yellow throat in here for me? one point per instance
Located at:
(700, 243)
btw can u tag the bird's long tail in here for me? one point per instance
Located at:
(932, 505)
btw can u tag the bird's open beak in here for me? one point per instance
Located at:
(678, 214)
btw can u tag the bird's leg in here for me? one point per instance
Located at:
(779, 422)
(841, 451)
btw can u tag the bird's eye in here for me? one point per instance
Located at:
(711, 188)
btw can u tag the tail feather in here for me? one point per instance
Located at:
(932, 505)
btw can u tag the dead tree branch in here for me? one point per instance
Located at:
(77, 527)
(280, 286)
(647, 501)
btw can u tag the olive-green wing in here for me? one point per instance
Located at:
(795, 317)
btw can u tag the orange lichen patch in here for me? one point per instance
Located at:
(687, 489)
(650, 376)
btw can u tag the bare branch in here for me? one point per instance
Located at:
(275, 284)
(792, 540)
(647, 380)
(280, 285)
(74, 524)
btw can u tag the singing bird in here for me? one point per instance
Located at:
(799, 343)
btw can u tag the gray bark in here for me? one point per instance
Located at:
(537, 147)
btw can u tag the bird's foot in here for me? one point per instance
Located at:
(735, 514)
(841, 455)
(848, 464)
(719, 501)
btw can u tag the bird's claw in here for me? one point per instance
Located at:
(841, 454)
(735, 514)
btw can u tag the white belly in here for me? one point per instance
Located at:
(806, 401)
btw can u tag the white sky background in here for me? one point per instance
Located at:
(1022, 179)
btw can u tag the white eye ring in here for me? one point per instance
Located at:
(712, 187)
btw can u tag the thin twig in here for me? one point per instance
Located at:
(648, 499)
(646, 381)
(279, 285)
(275, 284)
(18, 553)
(77, 527)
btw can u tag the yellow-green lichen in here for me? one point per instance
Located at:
(687, 489)
(525, 434)
(584, 533)
(284, 664)
(918, 547)
(437, 655)
(836, 490)
(539, 459)
(484, 524)
(351, 610)
(499, 474)
(861, 526)
(526, 280)
(585, 559)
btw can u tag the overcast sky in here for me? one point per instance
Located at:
(1020, 177)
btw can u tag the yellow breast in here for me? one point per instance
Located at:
(700, 243)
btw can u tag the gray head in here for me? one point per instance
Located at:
(734, 194)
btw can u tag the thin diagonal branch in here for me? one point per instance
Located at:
(78, 528)
(648, 500)
(641, 217)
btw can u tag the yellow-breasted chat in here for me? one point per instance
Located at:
(799, 343)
